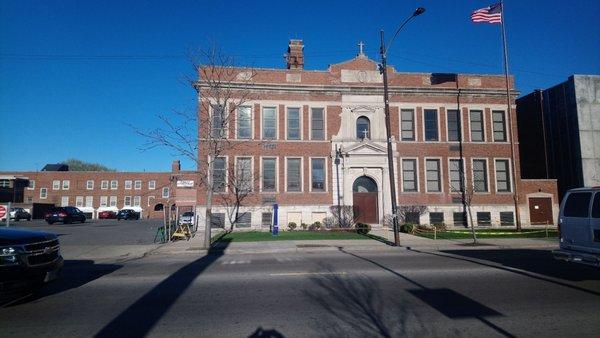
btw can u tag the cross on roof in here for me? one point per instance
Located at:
(361, 46)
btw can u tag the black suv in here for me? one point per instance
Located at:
(19, 213)
(65, 215)
(127, 214)
(27, 259)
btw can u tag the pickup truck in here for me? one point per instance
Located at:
(28, 259)
(579, 227)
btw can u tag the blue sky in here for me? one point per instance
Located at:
(73, 74)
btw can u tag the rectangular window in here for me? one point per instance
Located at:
(243, 174)
(243, 220)
(89, 185)
(219, 174)
(104, 185)
(114, 184)
(266, 219)
(409, 175)
(431, 125)
(578, 204)
(499, 125)
(137, 201)
(151, 200)
(317, 124)
(152, 185)
(4, 183)
(436, 218)
(103, 201)
(294, 181)
(293, 123)
(127, 202)
(64, 201)
(113, 201)
(484, 219)
(137, 184)
(455, 176)
(43, 193)
(459, 219)
(128, 184)
(407, 124)
(432, 168)
(269, 123)
(89, 201)
(507, 218)
(502, 176)
(453, 117)
(66, 184)
(55, 185)
(480, 176)
(217, 220)
(165, 192)
(317, 174)
(412, 218)
(217, 122)
(244, 123)
(31, 185)
(477, 133)
(269, 179)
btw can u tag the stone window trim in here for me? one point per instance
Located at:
(483, 124)
(137, 201)
(104, 184)
(262, 190)
(300, 122)
(113, 201)
(416, 173)
(166, 192)
(225, 179)
(43, 193)
(89, 184)
(325, 175)
(301, 178)
(505, 126)
(310, 122)
(224, 125)
(56, 185)
(128, 184)
(440, 174)
(262, 122)
(464, 171)
(89, 201)
(103, 201)
(114, 185)
(250, 106)
(508, 173)
(66, 184)
(413, 121)
(236, 160)
(127, 202)
(137, 184)
(424, 110)
(461, 127)
(487, 175)
(151, 184)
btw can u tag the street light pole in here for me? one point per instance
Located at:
(390, 156)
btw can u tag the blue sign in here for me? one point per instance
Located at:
(275, 221)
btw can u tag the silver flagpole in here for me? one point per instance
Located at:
(510, 125)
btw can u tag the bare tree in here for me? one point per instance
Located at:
(467, 192)
(240, 186)
(203, 135)
(407, 211)
(343, 216)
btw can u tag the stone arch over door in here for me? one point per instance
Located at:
(365, 200)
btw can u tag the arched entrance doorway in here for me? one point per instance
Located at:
(364, 197)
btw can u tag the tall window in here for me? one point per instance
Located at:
(89, 201)
(113, 201)
(431, 125)
(89, 185)
(269, 179)
(127, 184)
(152, 185)
(165, 192)
(293, 123)
(317, 125)
(502, 176)
(363, 128)
(137, 184)
(31, 185)
(217, 122)
(103, 201)
(453, 118)
(499, 124)
(477, 133)
(104, 185)
(114, 184)
(317, 174)
(432, 168)
(219, 174)
(64, 201)
(127, 202)
(137, 201)
(243, 172)
(409, 175)
(244, 123)
(407, 124)
(151, 200)
(55, 185)
(66, 184)
(43, 193)
(480, 176)
(455, 176)
(294, 180)
(269, 123)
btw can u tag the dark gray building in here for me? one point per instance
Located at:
(559, 133)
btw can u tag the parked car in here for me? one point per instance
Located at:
(107, 214)
(127, 214)
(187, 218)
(27, 259)
(65, 215)
(18, 214)
(579, 227)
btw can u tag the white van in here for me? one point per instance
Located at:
(579, 227)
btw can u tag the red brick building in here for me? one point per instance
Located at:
(298, 122)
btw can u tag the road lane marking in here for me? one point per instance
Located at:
(306, 273)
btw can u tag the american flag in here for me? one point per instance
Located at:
(490, 14)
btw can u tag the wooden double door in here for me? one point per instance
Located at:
(540, 210)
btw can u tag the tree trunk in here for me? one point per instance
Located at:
(472, 225)
(208, 214)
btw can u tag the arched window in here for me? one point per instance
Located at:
(363, 128)
(364, 184)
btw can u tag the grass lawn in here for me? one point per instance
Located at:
(259, 236)
(491, 233)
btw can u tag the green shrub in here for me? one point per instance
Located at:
(407, 228)
(304, 226)
(328, 222)
(362, 228)
(316, 226)
(292, 226)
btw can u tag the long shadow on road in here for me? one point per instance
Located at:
(140, 317)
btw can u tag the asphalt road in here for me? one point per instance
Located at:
(317, 294)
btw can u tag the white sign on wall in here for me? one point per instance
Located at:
(185, 184)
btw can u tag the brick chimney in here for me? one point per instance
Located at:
(295, 55)
(175, 166)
